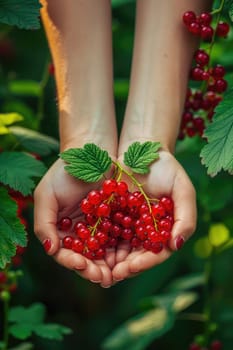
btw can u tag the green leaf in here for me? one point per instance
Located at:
(229, 7)
(12, 232)
(187, 282)
(141, 330)
(25, 88)
(17, 170)
(34, 141)
(34, 314)
(52, 331)
(88, 163)
(23, 14)
(21, 331)
(8, 119)
(139, 156)
(217, 154)
(28, 320)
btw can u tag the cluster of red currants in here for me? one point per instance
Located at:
(200, 104)
(114, 214)
(215, 345)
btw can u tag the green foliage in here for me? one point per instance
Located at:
(217, 154)
(23, 346)
(88, 163)
(12, 232)
(139, 156)
(17, 170)
(139, 331)
(26, 321)
(116, 3)
(8, 119)
(24, 88)
(21, 13)
(229, 8)
(34, 141)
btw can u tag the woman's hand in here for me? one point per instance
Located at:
(166, 177)
(58, 195)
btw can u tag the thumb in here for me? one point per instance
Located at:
(45, 220)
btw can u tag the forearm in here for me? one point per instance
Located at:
(79, 35)
(163, 52)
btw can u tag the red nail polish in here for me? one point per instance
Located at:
(179, 242)
(47, 245)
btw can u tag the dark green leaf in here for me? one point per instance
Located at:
(17, 170)
(21, 13)
(35, 142)
(33, 314)
(140, 155)
(25, 88)
(187, 282)
(52, 331)
(141, 330)
(217, 154)
(88, 163)
(12, 232)
(21, 331)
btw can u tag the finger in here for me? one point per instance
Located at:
(110, 257)
(185, 213)
(45, 219)
(70, 259)
(146, 260)
(121, 270)
(106, 274)
(92, 272)
(123, 251)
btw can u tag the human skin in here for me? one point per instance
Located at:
(79, 36)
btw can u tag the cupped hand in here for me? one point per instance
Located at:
(166, 177)
(58, 195)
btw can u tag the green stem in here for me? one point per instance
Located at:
(5, 324)
(192, 317)
(43, 84)
(207, 298)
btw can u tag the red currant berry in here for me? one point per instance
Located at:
(92, 243)
(194, 28)
(105, 225)
(165, 224)
(89, 255)
(118, 217)
(201, 57)
(86, 206)
(100, 253)
(207, 33)
(91, 219)
(146, 219)
(165, 236)
(83, 233)
(20, 250)
(153, 236)
(112, 242)
(218, 72)
(116, 230)
(220, 85)
(135, 242)
(3, 277)
(103, 210)
(122, 188)
(216, 345)
(156, 247)
(205, 75)
(196, 73)
(67, 242)
(109, 186)
(158, 210)
(127, 234)
(65, 224)
(189, 17)
(222, 29)
(77, 245)
(102, 237)
(147, 244)
(94, 197)
(78, 225)
(127, 221)
(167, 203)
(141, 233)
(205, 18)
(144, 209)
(133, 201)
(194, 346)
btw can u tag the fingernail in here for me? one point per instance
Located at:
(108, 286)
(118, 279)
(95, 281)
(47, 245)
(179, 242)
